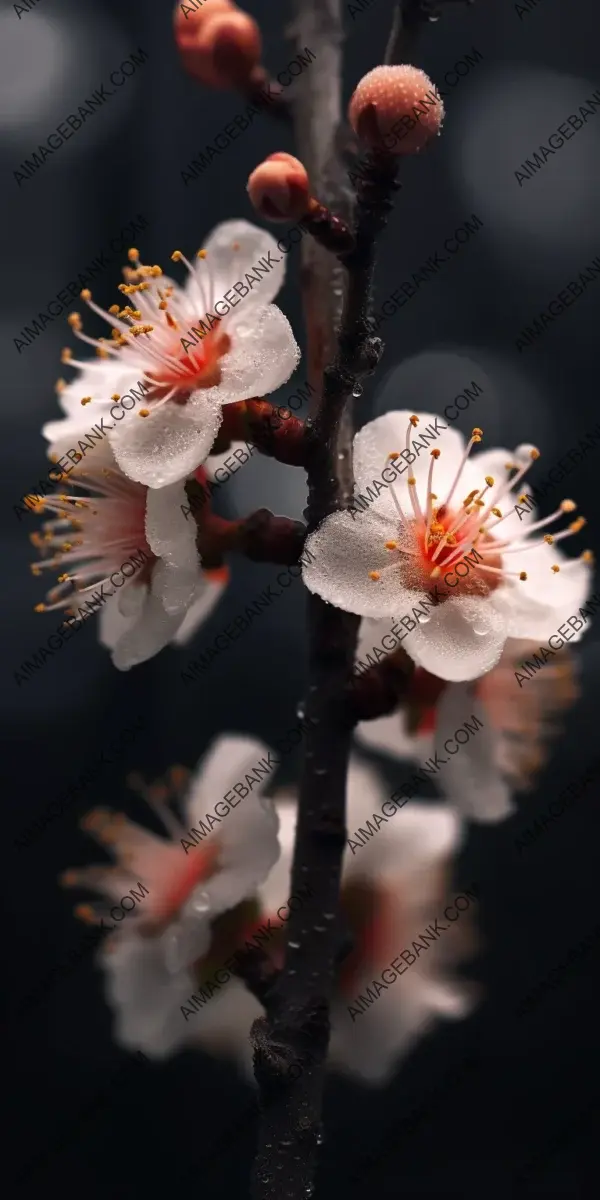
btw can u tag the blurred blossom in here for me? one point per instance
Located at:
(199, 904)
(521, 722)
(508, 113)
(392, 887)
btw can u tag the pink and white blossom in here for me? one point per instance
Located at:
(201, 897)
(394, 558)
(101, 522)
(185, 352)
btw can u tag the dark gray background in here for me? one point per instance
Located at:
(533, 1074)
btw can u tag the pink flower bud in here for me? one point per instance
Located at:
(396, 109)
(225, 49)
(279, 189)
(187, 22)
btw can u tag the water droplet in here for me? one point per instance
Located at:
(424, 620)
(329, 916)
(201, 902)
(479, 632)
(318, 929)
(294, 945)
(357, 391)
(300, 712)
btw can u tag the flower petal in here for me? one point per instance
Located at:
(263, 355)
(173, 539)
(169, 444)
(462, 639)
(226, 266)
(469, 777)
(153, 630)
(208, 596)
(342, 552)
(387, 434)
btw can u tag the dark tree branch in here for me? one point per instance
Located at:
(261, 537)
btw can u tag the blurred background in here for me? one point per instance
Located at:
(531, 1091)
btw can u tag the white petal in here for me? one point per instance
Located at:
(227, 266)
(207, 598)
(389, 735)
(153, 630)
(387, 434)
(264, 353)
(169, 444)
(538, 605)
(173, 539)
(469, 777)
(226, 761)
(145, 997)
(462, 640)
(345, 549)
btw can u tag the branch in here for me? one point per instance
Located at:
(261, 537)
(274, 431)
(409, 17)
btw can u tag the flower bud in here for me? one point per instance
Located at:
(187, 21)
(225, 49)
(396, 109)
(279, 189)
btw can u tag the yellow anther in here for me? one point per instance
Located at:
(64, 578)
(170, 321)
(133, 255)
(496, 511)
(176, 256)
(411, 481)
(567, 506)
(35, 569)
(68, 879)
(85, 294)
(201, 254)
(436, 573)
(40, 608)
(523, 575)
(435, 453)
(578, 524)
(480, 503)
(549, 539)
(85, 913)
(86, 400)
(477, 432)
(374, 575)
(523, 498)
(60, 385)
(587, 556)
(489, 479)
(66, 355)
(555, 569)
(115, 396)
(144, 412)
(534, 454)
(391, 545)
(114, 310)
(432, 496)
(414, 420)
(393, 455)
(163, 305)
(66, 546)
(74, 320)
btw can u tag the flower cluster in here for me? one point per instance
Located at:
(187, 351)
(165, 964)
